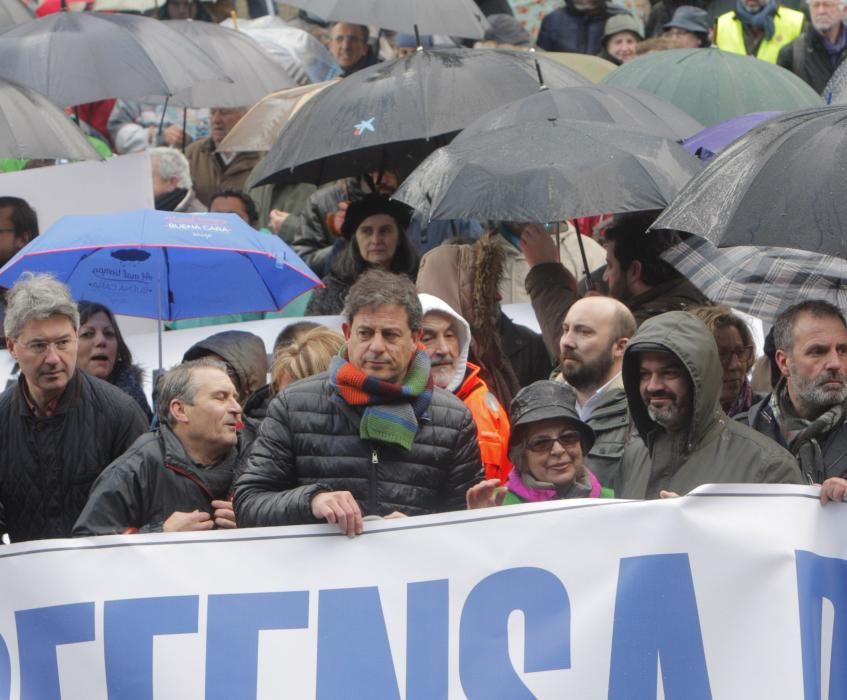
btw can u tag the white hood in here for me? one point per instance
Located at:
(433, 303)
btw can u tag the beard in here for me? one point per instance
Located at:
(442, 375)
(670, 417)
(581, 374)
(814, 392)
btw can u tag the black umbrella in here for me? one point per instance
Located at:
(627, 107)
(253, 70)
(454, 17)
(13, 12)
(547, 172)
(782, 184)
(391, 115)
(78, 57)
(33, 127)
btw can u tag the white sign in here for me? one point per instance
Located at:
(116, 184)
(729, 593)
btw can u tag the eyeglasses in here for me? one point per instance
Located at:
(39, 347)
(743, 355)
(568, 440)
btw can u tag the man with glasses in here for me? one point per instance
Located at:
(59, 427)
(815, 54)
(348, 44)
(672, 378)
(807, 409)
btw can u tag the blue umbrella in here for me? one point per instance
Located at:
(166, 265)
(706, 144)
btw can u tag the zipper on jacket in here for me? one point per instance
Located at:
(372, 505)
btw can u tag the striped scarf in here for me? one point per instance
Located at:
(391, 410)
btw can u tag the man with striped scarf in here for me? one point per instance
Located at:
(370, 437)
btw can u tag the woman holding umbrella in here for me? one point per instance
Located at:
(103, 353)
(375, 231)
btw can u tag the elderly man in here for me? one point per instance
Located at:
(807, 409)
(446, 336)
(371, 437)
(59, 427)
(672, 377)
(815, 54)
(172, 189)
(594, 335)
(348, 44)
(213, 171)
(176, 478)
(758, 28)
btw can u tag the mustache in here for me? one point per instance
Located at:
(831, 376)
(661, 395)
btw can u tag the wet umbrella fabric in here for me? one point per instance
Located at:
(13, 12)
(631, 109)
(762, 282)
(714, 85)
(33, 127)
(592, 67)
(253, 71)
(713, 139)
(453, 17)
(780, 185)
(78, 57)
(392, 115)
(166, 265)
(549, 172)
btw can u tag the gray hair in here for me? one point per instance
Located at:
(178, 384)
(37, 297)
(377, 287)
(171, 163)
(783, 327)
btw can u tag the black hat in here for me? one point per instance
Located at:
(691, 19)
(370, 205)
(546, 400)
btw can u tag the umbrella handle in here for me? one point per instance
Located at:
(589, 283)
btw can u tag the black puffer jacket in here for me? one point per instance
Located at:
(47, 465)
(310, 443)
(153, 480)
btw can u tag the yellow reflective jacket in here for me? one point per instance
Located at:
(788, 25)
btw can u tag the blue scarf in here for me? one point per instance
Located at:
(763, 19)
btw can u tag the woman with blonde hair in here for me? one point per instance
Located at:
(309, 354)
(737, 353)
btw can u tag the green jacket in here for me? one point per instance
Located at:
(715, 449)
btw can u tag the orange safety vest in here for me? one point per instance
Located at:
(492, 424)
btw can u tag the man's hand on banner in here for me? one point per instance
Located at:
(224, 515)
(834, 489)
(339, 507)
(188, 522)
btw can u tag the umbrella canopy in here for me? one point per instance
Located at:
(714, 85)
(454, 17)
(33, 127)
(713, 139)
(301, 54)
(780, 185)
(549, 172)
(835, 91)
(259, 129)
(166, 265)
(13, 12)
(388, 116)
(762, 282)
(254, 73)
(632, 109)
(592, 67)
(78, 57)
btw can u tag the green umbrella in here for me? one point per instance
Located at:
(714, 85)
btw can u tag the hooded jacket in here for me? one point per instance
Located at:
(244, 352)
(151, 481)
(490, 418)
(715, 449)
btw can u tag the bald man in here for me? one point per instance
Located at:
(594, 335)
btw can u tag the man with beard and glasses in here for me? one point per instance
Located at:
(672, 378)
(594, 335)
(806, 410)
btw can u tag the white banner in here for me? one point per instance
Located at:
(733, 592)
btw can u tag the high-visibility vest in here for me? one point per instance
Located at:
(788, 25)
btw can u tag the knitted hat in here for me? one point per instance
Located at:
(370, 205)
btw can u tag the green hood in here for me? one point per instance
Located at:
(692, 342)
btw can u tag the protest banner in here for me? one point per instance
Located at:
(732, 592)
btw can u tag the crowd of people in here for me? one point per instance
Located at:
(431, 398)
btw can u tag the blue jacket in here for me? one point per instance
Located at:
(567, 29)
